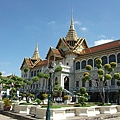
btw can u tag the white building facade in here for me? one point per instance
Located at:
(72, 54)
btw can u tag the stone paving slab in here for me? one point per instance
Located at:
(3, 117)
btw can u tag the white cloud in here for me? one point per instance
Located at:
(102, 41)
(52, 22)
(5, 74)
(102, 36)
(83, 29)
(77, 22)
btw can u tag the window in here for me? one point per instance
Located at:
(33, 86)
(112, 58)
(83, 84)
(90, 83)
(77, 83)
(35, 73)
(77, 65)
(25, 75)
(104, 60)
(94, 61)
(83, 64)
(118, 58)
(31, 73)
(56, 79)
(36, 85)
(90, 62)
(112, 81)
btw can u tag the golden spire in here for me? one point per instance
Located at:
(72, 21)
(36, 55)
(71, 36)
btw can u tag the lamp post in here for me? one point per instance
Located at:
(49, 92)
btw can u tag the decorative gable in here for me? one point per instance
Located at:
(80, 45)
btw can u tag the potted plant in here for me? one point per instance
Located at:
(7, 104)
(38, 101)
(66, 99)
(45, 96)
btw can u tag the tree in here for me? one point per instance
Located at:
(103, 74)
(118, 83)
(13, 83)
(82, 96)
(57, 91)
(27, 83)
(35, 79)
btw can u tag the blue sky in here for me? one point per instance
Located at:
(23, 23)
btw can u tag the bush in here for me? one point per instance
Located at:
(66, 97)
(82, 96)
(88, 67)
(31, 95)
(38, 101)
(83, 90)
(44, 96)
(7, 102)
(58, 69)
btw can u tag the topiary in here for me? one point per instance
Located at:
(38, 101)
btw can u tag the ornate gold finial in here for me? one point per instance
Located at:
(72, 21)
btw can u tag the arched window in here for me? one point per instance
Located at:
(112, 58)
(56, 79)
(77, 65)
(90, 62)
(90, 83)
(83, 64)
(77, 83)
(83, 84)
(31, 73)
(112, 81)
(118, 58)
(35, 73)
(104, 60)
(94, 62)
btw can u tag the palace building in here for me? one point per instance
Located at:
(73, 54)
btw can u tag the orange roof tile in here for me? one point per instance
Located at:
(101, 47)
(44, 62)
(56, 51)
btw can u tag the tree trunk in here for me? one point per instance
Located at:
(102, 95)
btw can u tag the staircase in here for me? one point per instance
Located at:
(68, 92)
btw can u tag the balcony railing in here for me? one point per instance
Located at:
(66, 68)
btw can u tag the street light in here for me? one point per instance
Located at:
(51, 70)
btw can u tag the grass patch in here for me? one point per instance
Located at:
(24, 103)
(54, 106)
(105, 104)
(57, 106)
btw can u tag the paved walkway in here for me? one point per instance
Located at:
(6, 115)
(3, 117)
